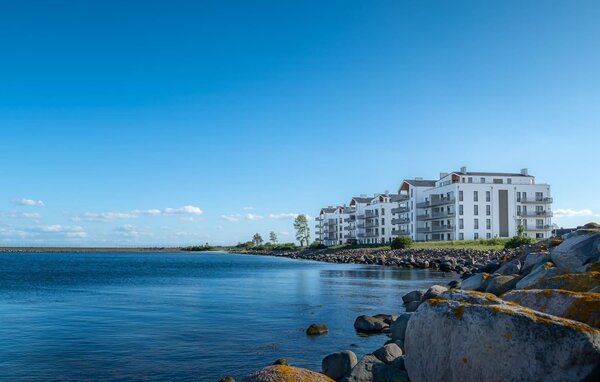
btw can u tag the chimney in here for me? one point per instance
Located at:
(463, 169)
(524, 171)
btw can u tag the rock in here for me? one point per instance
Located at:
(575, 282)
(476, 282)
(454, 284)
(498, 343)
(339, 365)
(415, 295)
(595, 289)
(532, 260)
(387, 318)
(370, 369)
(412, 306)
(368, 324)
(317, 329)
(227, 379)
(490, 267)
(281, 361)
(537, 273)
(398, 327)
(445, 266)
(281, 373)
(472, 297)
(509, 268)
(399, 363)
(578, 306)
(499, 285)
(577, 251)
(388, 353)
(434, 292)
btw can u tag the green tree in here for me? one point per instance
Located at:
(257, 239)
(302, 230)
(401, 242)
(273, 237)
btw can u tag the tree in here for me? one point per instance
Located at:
(273, 237)
(257, 239)
(302, 230)
(401, 242)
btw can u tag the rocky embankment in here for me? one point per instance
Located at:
(528, 315)
(462, 261)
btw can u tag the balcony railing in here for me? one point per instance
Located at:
(360, 225)
(535, 214)
(441, 228)
(399, 198)
(372, 224)
(371, 214)
(436, 202)
(536, 200)
(350, 219)
(350, 236)
(400, 232)
(360, 216)
(436, 215)
(539, 228)
(400, 221)
(399, 210)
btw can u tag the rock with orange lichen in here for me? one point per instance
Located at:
(472, 297)
(458, 341)
(578, 306)
(575, 282)
(581, 248)
(281, 373)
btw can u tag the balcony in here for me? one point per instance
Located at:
(371, 234)
(371, 214)
(400, 232)
(441, 228)
(535, 200)
(436, 215)
(360, 226)
(350, 219)
(400, 221)
(349, 227)
(539, 228)
(318, 219)
(372, 224)
(436, 202)
(360, 217)
(535, 214)
(350, 236)
(399, 198)
(399, 210)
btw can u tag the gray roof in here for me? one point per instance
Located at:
(328, 210)
(420, 182)
(491, 173)
(361, 199)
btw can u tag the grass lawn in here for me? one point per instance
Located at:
(482, 244)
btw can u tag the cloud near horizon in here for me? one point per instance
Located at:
(109, 216)
(568, 212)
(29, 202)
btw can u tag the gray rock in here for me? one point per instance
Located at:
(388, 353)
(577, 251)
(509, 268)
(454, 284)
(370, 324)
(412, 306)
(399, 363)
(317, 329)
(532, 260)
(476, 282)
(339, 365)
(499, 285)
(398, 327)
(498, 343)
(285, 373)
(537, 273)
(370, 369)
(387, 318)
(434, 292)
(472, 297)
(415, 295)
(281, 361)
(227, 379)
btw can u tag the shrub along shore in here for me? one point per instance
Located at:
(526, 314)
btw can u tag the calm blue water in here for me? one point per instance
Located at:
(182, 316)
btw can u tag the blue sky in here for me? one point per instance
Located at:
(179, 122)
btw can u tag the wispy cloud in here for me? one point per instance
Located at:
(110, 216)
(21, 215)
(248, 208)
(66, 231)
(128, 231)
(29, 202)
(568, 212)
(283, 216)
(238, 217)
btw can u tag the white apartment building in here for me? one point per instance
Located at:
(376, 222)
(466, 205)
(329, 227)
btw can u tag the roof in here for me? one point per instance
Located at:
(361, 199)
(420, 182)
(492, 174)
(328, 210)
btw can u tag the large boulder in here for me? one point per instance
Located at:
(415, 295)
(371, 369)
(476, 282)
(573, 254)
(281, 373)
(412, 306)
(575, 282)
(472, 297)
(532, 260)
(339, 365)
(398, 327)
(539, 272)
(388, 353)
(457, 341)
(509, 268)
(578, 306)
(434, 292)
(501, 284)
(368, 324)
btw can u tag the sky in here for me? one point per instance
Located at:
(185, 122)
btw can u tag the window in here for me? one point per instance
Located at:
(498, 181)
(460, 196)
(488, 223)
(509, 180)
(463, 179)
(470, 180)
(539, 196)
(382, 221)
(518, 210)
(461, 224)
(482, 180)
(411, 192)
(383, 231)
(488, 210)
(518, 196)
(475, 209)
(461, 236)
(475, 196)
(488, 196)
(476, 223)
(539, 223)
(524, 195)
(488, 235)
(476, 236)
(460, 209)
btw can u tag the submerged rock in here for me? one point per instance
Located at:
(281, 373)
(339, 365)
(368, 324)
(317, 329)
(498, 343)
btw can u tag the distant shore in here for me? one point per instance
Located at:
(88, 249)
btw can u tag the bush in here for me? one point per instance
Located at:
(401, 242)
(517, 241)
(317, 245)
